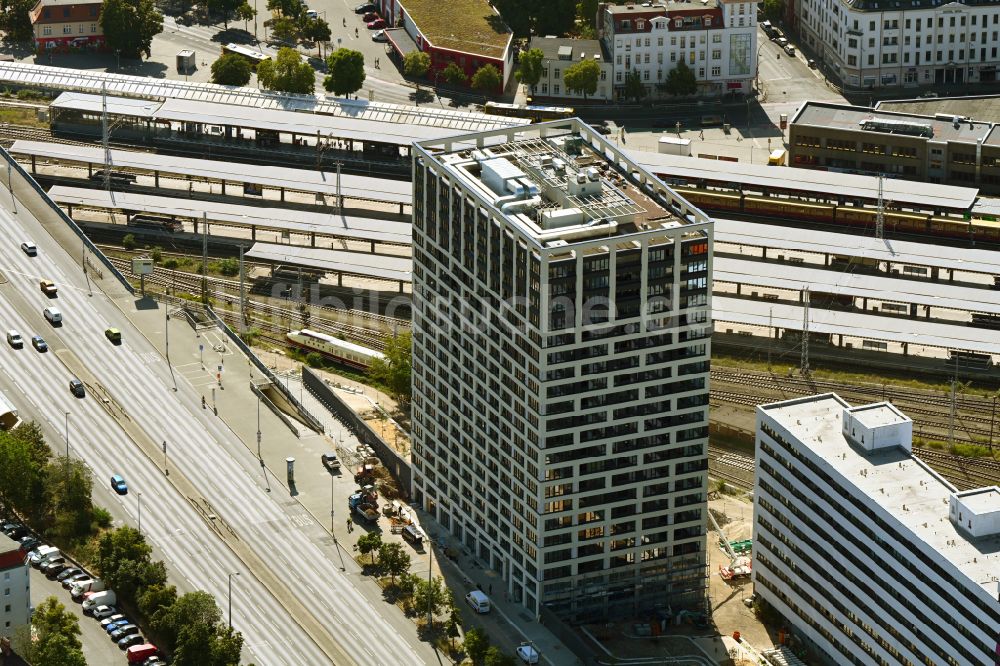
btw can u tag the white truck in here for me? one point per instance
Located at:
(8, 414)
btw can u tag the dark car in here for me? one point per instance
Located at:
(330, 461)
(602, 129)
(128, 641)
(123, 631)
(16, 531)
(68, 573)
(57, 568)
(38, 343)
(365, 7)
(29, 543)
(370, 16)
(76, 388)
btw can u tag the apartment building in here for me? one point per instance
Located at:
(16, 601)
(67, 24)
(561, 341)
(562, 53)
(882, 43)
(717, 39)
(869, 554)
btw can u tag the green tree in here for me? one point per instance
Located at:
(529, 67)
(67, 487)
(226, 647)
(345, 72)
(130, 25)
(15, 20)
(416, 64)
(191, 609)
(245, 13)
(680, 80)
(429, 597)
(290, 8)
(407, 585)
(476, 644)
(582, 77)
(128, 241)
(224, 7)
(286, 73)
(23, 459)
(284, 28)
(393, 560)
(487, 79)
(155, 604)
(231, 69)
(229, 266)
(554, 17)
(452, 625)
(454, 75)
(774, 10)
(122, 556)
(586, 12)
(317, 31)
(393, 370)
(369, 543)
(633, 86)
(58, 633)
(517, 14)
(494, 657)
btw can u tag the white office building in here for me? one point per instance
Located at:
(868, 553)
(561, 338)
(16, 602)
(881, 43)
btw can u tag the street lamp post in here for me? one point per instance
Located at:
(237, 573)
(332, 521)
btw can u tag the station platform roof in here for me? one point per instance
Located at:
(91, 81)
(819, 183)
(378, 266)
(298, 180)
(756, 234)
(857, 325)
(780, 275)
(278, 219)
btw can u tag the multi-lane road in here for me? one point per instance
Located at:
(316, 614)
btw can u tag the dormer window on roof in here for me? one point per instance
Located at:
(708, 20)
(678, 22)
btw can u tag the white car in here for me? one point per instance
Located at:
(102, 612)
(527, 653)
(380, 36)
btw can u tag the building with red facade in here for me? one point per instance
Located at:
(67, 24)
(16, 609)
(467, 32)
(717, 39)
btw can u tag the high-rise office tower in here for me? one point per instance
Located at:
(560, 368)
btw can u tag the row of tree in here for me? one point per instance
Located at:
(487, 79)
(293, 24)
(188, 626)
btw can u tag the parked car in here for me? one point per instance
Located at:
(380, 36)
(29, 248)
(527, 653)
(42, 553)
(115, 624)
(312, 14)
(76, 387)
(330, 461)
(112, 619)
(68, 573)
(29, 543)
(811, 63)
(70, 581)
(55, 569)
(118, 484)
(377, 24)
(130, 640)
(365, 7)
(123, 631)
(370, 16)
(39, 343)
(101, 612)
(790, 50)
(51, 562)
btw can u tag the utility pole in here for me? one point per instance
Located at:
(880, 216)
(204, 258)
(951, 412)
(770, 335)
(105, 138)
(804, 364)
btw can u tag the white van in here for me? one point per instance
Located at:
(479, 601)
(106, 598)
(43, 553)
(14, 339)
(53, 315)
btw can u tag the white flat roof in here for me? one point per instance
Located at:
(383, 267)
(141, 108)
(822, 183)
(877, 414)
(982, 500)
(300, 180)
(852, 324)
(281, 219)
(757, 234)
(860, 285)
(907, 491)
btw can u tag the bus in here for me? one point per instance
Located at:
(251, 56)
(537, 114)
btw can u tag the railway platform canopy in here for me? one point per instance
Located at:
(281, 179)
(826, 186)
(253, 218)
(374, 266)
(875, 292)
(896, 254)
(19, 74)
(900, 331)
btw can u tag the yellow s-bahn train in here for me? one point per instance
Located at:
(902, 222)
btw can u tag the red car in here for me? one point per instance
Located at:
(377, 24)
(370, 16)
